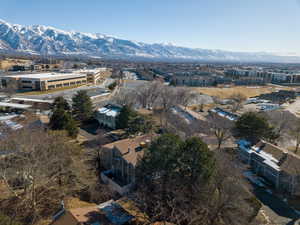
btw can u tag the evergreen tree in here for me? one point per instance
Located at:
(59, 119)
(63, 120)
(112, 86)
(72, 128)
(139, 124)
(161, 158)
(60, 103)
(82, 106)
(253, 127)
(171, 167)
(196, 160)
(184, 161)
(125, 115)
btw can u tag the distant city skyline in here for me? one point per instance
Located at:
(250, 26)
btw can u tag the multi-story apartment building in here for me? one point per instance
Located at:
(266, 76)
(203, 79)
(95, 76)
(279, 167)
(120, 158)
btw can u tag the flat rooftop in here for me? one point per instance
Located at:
(46, 75)
(109, 110)
(96, 70)
(14, 105)
(33, 100)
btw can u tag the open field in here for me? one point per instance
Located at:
(249, 91)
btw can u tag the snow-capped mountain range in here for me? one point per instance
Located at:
(45, 40)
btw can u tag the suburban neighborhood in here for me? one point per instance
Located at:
(149, 112)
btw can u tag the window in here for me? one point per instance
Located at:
(62, 79)
(26, 81)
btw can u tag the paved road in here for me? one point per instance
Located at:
(278, 211)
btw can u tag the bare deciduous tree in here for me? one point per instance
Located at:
(184, 96)
(167, 100)
(39, 168)
(221, 128)
(125, 97)
(281, 120)
(295, 132)
(238, 99)
(149, 93)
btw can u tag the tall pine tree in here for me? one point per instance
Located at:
(82, 106)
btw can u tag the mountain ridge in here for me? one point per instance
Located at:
(47, 40)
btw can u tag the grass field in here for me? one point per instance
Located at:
(248, 91)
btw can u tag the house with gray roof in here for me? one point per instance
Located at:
(278, 166)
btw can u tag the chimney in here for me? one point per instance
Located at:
(148, 142)
(283, 158)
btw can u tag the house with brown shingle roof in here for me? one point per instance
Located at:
(277, 165)
(119, 212)
(120, 159)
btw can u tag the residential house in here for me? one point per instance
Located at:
(120, 159)
(122, 211)
(107, 115)
(224, 114)
(276, 165)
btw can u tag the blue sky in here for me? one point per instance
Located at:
(238, 25)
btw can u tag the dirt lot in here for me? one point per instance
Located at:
(249, 91)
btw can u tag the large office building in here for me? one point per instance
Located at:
(95, 76)
(48, 81)
(44, 81)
